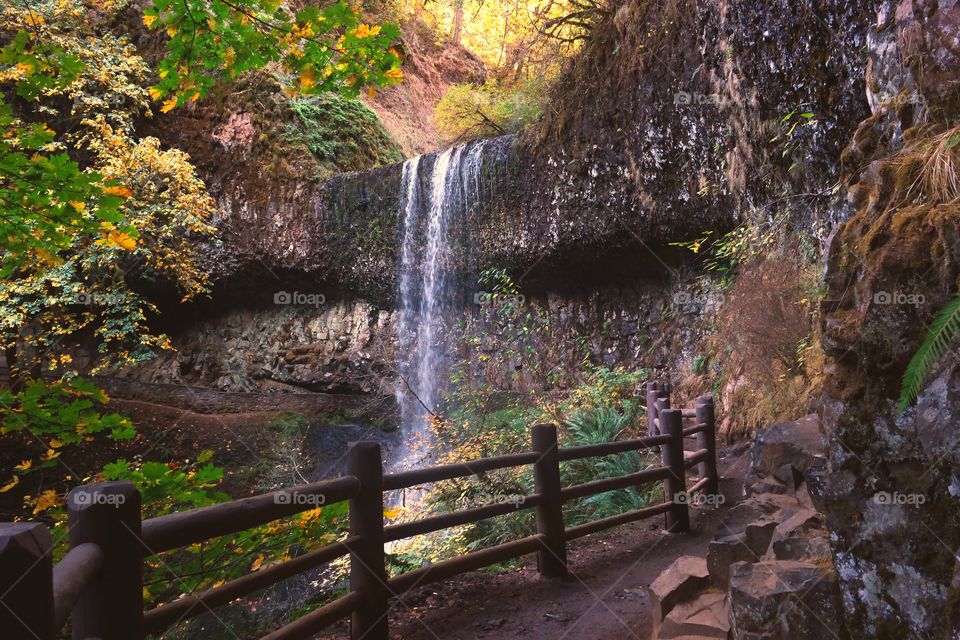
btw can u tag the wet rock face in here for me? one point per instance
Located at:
(890, 490)
(334, 347)
(660, 135)
(311, 339)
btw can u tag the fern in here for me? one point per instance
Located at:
(944, 329)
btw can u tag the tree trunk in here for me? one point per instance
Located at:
(457, 22)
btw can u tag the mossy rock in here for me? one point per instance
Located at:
(342, 134)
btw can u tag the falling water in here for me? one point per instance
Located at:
(430, 287)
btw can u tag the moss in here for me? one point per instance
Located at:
(342, 134)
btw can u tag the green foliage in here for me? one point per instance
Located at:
(943, 331)
(165, 488)
(88, 209)
(790, 130)
(596, 425)
(52, 416)
(170, 487)
(343, 134)
(700, 364)
(487, 422)
(466, 111)
(326, 49)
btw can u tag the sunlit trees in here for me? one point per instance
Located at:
(523, 43)
(89, 211)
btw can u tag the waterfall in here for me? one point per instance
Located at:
(430, 282)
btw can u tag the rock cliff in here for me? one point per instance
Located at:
(892, 485)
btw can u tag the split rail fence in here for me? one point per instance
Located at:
(97, 586)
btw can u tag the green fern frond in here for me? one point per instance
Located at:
(944, 330)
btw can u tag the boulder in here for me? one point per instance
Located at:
(810, 547)
(733, 490)
(749, 545)
(759, 534)
(706, 617)
(789, 475)
(797, 444)
(767, 485)
(679, 582)
(783, 599)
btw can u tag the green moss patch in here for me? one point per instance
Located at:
(342, 134)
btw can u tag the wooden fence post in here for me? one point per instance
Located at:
(26, 582)
(368, 573)
(552, 560)
(652, 388)
(107, 514)
(663, 403)
(707, 439)
(678, 518)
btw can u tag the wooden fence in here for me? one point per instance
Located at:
(98, 584)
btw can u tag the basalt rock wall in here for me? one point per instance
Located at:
(670, 123)
(891, 489)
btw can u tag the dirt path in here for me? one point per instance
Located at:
(604, 598)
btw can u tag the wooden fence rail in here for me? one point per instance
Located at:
(98, 585)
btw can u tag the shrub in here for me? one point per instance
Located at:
(467, 112)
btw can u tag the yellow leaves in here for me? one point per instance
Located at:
(392, 512)
(50, 455)
(257, 564)
(80, 207)
(195, 97)
(46, 257)
(171, 31)
(56, 444)
(168, 105)
(372, 92)
(155, 93)
(308, 79)
(365, 31)
(395, 74)
(46, 500)
(117, 190)
(309, 516)
(306, 31)
(352, 80)
(14, 481)
(164, 73)
(211, 24)
(229, 58)
(149, 20)
(24, 69)
(24, 466)
(34, 19)
(120, 239)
